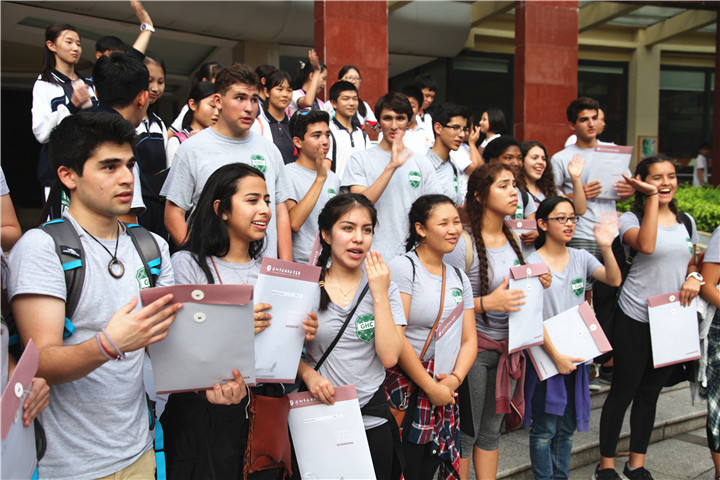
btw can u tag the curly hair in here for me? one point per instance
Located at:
(475, 202)
(546, 183)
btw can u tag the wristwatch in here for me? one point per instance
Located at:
(696, 276)
(148, 27)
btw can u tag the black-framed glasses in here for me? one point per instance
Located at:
(564, 220)
(457, 128)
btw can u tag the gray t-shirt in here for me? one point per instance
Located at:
(188, 271)
(203, 153)
(500, 260)
(300, 180)
(414, 178)
(425, 292)
(98, 424)
(712, 254)
(595, 206)
(447, 176)
(662, 272)
(568, 287)
(353, 360)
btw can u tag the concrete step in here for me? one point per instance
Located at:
(675, 415)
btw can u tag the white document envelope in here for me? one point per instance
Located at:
(292, 289)
(521, 226)
(448, 336)
(674, 334)
(525, 327)
(212, 335)
(19, 456)
(330, 440)
(608, 164)
(575, 332)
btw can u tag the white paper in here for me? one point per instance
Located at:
(570, 335)
(674, 333)
(608, 164)
(448, 337)
(330, 440)
(278, 347)
(525, 327)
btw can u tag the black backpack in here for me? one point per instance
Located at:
(72, 259)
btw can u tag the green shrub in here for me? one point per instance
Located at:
(702, 203)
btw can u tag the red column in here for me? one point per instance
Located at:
(546, 61)
(354, 33)
(715, 166)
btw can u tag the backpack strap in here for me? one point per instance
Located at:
(148, 250)
(525, 198)
(469, 251)
(72, 259)
(685, 219)
(413, 265)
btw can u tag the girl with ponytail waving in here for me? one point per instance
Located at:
(430, 291)
(370, 306)
(492, 379)
(560, 404)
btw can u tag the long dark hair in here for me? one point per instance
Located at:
(208, 233)
(200, 91)
(496, 120)
(546, 183)
(419, 213)
(303, 73)
(643, 169)
(51, 35)
(544, 209)
(476, 198)
(335, 208)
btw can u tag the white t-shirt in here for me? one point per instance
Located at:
(700, 164)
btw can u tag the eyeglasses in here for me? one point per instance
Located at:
(457, 128)
(564, 220)
(353, 79)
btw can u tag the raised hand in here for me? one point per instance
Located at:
(230, 393)
(261, 317)
(135, 330)
(576, 166)
(640, 186)
(474, 135)
(606, 229)
(314, 59)
(378, 274)
(397, 157)
(320, 168)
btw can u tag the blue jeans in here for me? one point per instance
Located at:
(551, 436)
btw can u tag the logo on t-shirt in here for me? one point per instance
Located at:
(64, 202)
(142, 278)
(415, 179)
(519, 211)
(259, 162)
(365, 327)
(455, 183)
(331, 193)
(577, 285)
(456, 295)
(689, 244)
(516, 262)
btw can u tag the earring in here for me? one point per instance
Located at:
(224, 217)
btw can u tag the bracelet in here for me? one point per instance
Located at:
(103, 349)
(652, 194)
(119, 353)
(456, 376)
(482, 307)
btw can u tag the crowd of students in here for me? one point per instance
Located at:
(409, 226)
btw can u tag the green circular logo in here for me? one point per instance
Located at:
(456, 295)
(365, 327)
(331, 193)
(258, 161)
